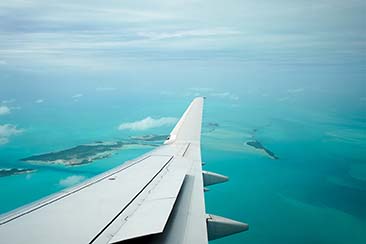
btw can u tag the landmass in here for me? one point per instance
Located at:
(15, 171)
(209, 127)
(150, 138)
(82, 154)
(257, 145)
(88, 153)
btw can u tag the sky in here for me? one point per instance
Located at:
(109, 35)
(268, 49)
(271, 50)
(98, 69)
(168, 46)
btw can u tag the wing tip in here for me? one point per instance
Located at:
(188, 127)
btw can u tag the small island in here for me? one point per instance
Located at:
(257, 145)
(150, 138)
(78, 155)
(209, 127)
(15, 171)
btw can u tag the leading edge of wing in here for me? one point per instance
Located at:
(188, 128)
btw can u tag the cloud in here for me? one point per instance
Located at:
(188, 33)
(297, 90)
(291, 93)
(220, 94)
(68, 33)
(39, 101)
(7, 131)
(8, 101)
(71, 180)
(77, 95)
(166, 93)
(4, 110)
(118, 14)
(3, 62)
(201, 89)
(225, 95)
(148, 123)
(282, 99)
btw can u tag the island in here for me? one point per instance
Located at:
(15, 171)
(78, 155)
(150, 138)
(257, 145)
(209, 127)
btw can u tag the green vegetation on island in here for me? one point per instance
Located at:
(150, 138)
(88, 153)
(78, 155)
(15, 171)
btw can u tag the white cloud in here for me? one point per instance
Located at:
(234, 97)
(3, 62)
(8, 101)
(220, 94)
(188, 33)
(4, 109)
(77, 95)
(225, 95)
(179, 24)
(282, 99)
(297, 90)
(39, 101)
(71, 180)
(166, 93)
(201, 89)
(148, 123)
(119, 14)
(7, 131)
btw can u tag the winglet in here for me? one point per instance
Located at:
(188, 127)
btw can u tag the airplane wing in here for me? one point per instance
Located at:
(156, 198)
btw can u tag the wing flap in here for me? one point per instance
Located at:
(91, 208)
(152, 215)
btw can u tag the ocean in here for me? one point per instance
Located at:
(313, 191)
(85, 87)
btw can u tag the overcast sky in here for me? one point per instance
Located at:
(208, 41)
(85, 32)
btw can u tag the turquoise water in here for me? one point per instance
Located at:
(290, 75)
(314, 193)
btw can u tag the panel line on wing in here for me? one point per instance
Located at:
(151, 216)
(71, 192)
(184, 153)
(128, 204)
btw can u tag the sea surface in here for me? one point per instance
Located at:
(315, 192)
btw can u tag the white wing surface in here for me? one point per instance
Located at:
(156, 198)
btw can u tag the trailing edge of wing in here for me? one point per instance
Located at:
(152, 216)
